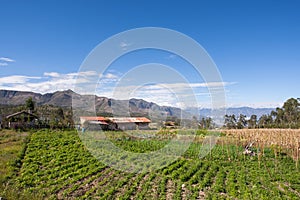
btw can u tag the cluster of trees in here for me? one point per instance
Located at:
(206, 123)
(286, 117)
(55, 117)
(52, 116)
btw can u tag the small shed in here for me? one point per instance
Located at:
(22, 119)
(170, 125)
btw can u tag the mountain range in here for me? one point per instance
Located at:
(104, 105)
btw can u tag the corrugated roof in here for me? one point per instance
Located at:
(129, 119)
(98, 122)
(93, 118)
(117, 119)
(21, 112)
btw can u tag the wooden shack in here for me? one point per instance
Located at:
(22, 119)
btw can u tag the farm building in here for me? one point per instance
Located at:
(22, 119)
(115, 123)
(94, 123)
(130, 123)
(92, 119)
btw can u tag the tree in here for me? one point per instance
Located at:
(242, 122)
(291, 111)
(30, 104)
(288, 115)
(230, 121)
(57, 118)
(265, 121)
(252, 122)
(206, 123)
(60, 114)
(279, 120)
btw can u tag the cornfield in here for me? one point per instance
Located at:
(281, 141)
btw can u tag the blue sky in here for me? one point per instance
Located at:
(255, 45)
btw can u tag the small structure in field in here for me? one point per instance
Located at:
(22, 119)
(153, 126)
(115, 123)
(170, 125)
(248, 150)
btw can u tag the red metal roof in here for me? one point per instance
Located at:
(98, 122)
(129, 119)
(117, 119)
(94, 118)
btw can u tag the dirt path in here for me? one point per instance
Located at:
(170, 189)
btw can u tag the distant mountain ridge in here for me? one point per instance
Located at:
(60, 98)
(121, 107)
(103, 104)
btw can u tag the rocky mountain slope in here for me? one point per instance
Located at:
(108, 106)
(103, 105)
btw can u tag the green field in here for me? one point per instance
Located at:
(56, 165)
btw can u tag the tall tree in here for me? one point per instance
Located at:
(265, 121)
(206, 123)
(60, 114)
(279, 120)
(242, 122)
(291, 111)
(252, 122)
(30, 104)
(230, 121)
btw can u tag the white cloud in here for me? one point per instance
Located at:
(124, 45)
(171, 56)
(5, 59)
(86, 73)
(212, 84)
(90, 82)
(3, 64)
(168, 94)
(110, 76)
(178, 86)
(16, 79)
(54, 81)
(52, 74)
(75, 74)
